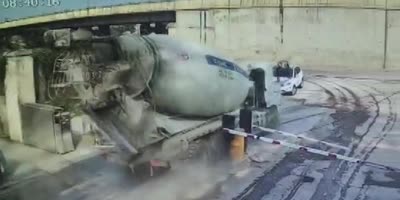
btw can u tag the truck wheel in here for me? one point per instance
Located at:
(294, 90)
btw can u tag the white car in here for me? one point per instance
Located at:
(290, 78)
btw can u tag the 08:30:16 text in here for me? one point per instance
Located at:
(29, 3)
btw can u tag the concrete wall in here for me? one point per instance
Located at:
(327, 38)
(247, 33)
(196, 26)
(79, 9)
(393, 40)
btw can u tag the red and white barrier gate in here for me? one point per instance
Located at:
(308, 149)
(301, 137)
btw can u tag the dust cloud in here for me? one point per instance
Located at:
(185, 181)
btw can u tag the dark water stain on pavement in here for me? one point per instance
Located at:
(262, 186)
(345, 124)
(265, 183)
(393, 179)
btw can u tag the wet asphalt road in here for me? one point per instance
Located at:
(364, 117)
(92, 178)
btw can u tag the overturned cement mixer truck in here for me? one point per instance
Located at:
(155, 89)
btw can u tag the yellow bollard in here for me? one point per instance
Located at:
(237, 150)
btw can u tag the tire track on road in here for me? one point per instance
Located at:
(342, 95)
(348, 118)
(331, 96)
(359, 106)
(327, 179)
(257, 186)
(365, 153)
(337, 169)
(298, 183)
(388, 119)
(357, 99)
(343, 166)
(388, 126)
(345, 121)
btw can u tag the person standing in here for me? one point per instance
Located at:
(258, 76)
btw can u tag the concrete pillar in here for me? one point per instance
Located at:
(20, 89)
(194, 26)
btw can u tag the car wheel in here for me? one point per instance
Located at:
(2, 168)
(2, 173)
(294, 90)
(301, 84)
